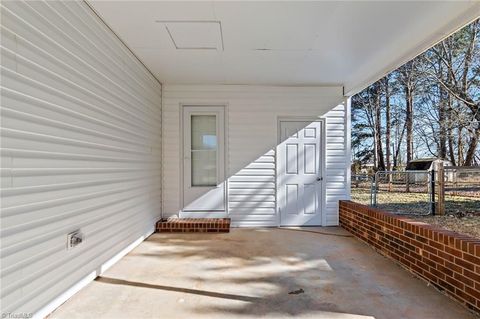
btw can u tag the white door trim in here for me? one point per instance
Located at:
(322, 157)
(207, 107)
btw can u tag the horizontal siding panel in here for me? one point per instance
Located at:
(270, 164)
(259, 217)
(251, 198)
(256, 172)
(332, 114)
(253, 186)
(335, 185)
(336, 133)
(339, 107)
(335, 126)
(335, 165)
(28, 104)
(40, 92)
(337, 191)
(336, 172)
(252, 191)
(254, 178)
(340, 154)
(335, 146)
(336, 197)
(335, 139)
(81, 149)
(251, 212)
(335, 178)
(335, 120)
(249, 204)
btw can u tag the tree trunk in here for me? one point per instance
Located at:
(448, 120)
(442, 149)
(451, 144)
(472, 147)
(378, 133)
(387, 124)
(399, 138)
(409, 120)
(409, 125)
(460, 147)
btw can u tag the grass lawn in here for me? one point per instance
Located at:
(462, 213)
(468, 224)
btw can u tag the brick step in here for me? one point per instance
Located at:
(193, 225)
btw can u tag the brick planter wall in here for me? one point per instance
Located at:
(447, 260)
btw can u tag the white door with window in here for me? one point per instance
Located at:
(203, 159)
(299, 170)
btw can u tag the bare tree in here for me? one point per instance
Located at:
(459, 56)
(388, 122)
(408, 77)
(428, 107)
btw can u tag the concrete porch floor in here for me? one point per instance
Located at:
(250, 273)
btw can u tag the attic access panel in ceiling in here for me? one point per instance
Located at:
(195, 35)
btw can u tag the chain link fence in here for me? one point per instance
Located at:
(462, 190)
(361, 189)
(417, 192)
(408, 192)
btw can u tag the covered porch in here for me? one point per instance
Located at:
(251, 273)
(100, 101)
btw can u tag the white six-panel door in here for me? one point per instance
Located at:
(299, 173)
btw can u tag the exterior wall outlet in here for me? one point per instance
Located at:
(74, 239)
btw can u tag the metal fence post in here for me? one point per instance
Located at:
(375, 189)
(455, 185)
(441, 191)
(432, 192)
(372, 180)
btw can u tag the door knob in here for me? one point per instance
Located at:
(319, 179)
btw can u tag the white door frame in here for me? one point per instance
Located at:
(322, 157)
(203, 214)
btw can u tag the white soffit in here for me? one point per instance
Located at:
(316, 43)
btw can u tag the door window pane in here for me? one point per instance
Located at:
(204, 132)
(204, 150)
(204, 168)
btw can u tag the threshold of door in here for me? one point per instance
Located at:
(193, 225)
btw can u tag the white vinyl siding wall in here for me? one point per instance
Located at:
(81, 130)
(252, 114)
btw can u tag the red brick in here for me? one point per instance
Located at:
(465, 296)
(185, 225)
(445, 270)
(454, 282)
(473, 292)
(472, 259)
(447, 260)
(464, 264)
(463, 279)
(453, 251)
(436, 244)
(446, 256)
(446, 286)
(472, 275)
(437, 259)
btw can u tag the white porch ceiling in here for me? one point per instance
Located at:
(281, 43)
